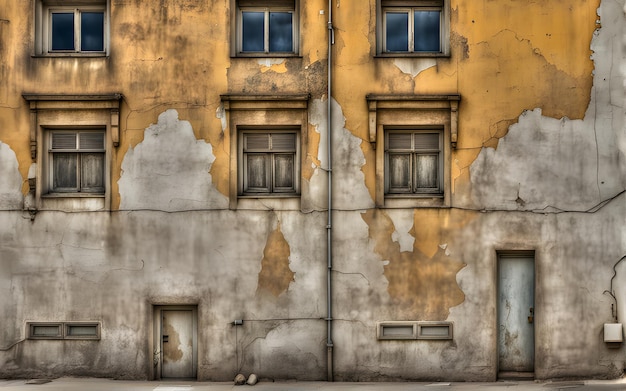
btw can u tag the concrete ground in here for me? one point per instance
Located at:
(89, 384)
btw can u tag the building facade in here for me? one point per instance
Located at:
(312, 190)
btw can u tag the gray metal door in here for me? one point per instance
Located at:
(177, 344)
(516, 313)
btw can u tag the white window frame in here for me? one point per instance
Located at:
(408, 7)
(43, 26)
(242, 6)
(414, 152)
(271, 190)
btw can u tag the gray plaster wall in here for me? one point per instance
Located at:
(169, 170)
(10, 180)
(555, 186)
(77, 272)
(552, 165)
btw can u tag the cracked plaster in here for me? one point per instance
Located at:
(349, 190)
(169, 170)
(546, 164)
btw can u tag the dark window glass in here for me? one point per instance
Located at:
(253, 31)
(92, 31)
(426, 29)
(281, 32)
(63, 31)
(397, 30)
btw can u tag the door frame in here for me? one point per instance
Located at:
(156, 361)
(515, 253)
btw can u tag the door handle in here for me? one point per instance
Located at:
(166, 338)
(531, 317)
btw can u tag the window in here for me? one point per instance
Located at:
(270, 28)
(269, 162)
(418, 27)
(45, 331)
(268, 134)
(77, 160)
(60, 330)
(71, 28)
(82, 330)
(72, 139)
(413, 163)
(413, 136)
(415, 330)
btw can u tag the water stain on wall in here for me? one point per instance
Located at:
(275, 275)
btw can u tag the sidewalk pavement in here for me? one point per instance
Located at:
(90, 384)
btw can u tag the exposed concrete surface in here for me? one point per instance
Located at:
(548, 164)
(10, 179)
(70, 384)
(169, 170)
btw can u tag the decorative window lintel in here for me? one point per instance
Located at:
(41, 102)
(425, 104)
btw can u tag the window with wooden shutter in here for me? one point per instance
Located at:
(413, 162)
(269, 162)
(77, 161)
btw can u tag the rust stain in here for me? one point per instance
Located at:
(422, 284)
(275, 275)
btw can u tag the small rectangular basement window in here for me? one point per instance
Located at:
(397, 330)
(64, 330)
(45, 331)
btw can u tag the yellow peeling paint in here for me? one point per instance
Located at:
(311, 162)
(507, 56)
(422, 282)
(275, 275)
(278, 68)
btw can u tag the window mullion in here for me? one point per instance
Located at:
(77, 21)
(270, 172)
(266, 31)
(411, 30)
(413, 172)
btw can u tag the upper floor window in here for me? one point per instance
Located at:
(77, 161)
(417, 27)
(414, 136)
(71, 28)
(270, 28)
(268, 136)
(413, 163)
(269, 162)
(72, 139)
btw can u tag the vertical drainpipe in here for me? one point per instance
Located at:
(329, 225)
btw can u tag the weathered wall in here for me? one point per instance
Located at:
(540, 165)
